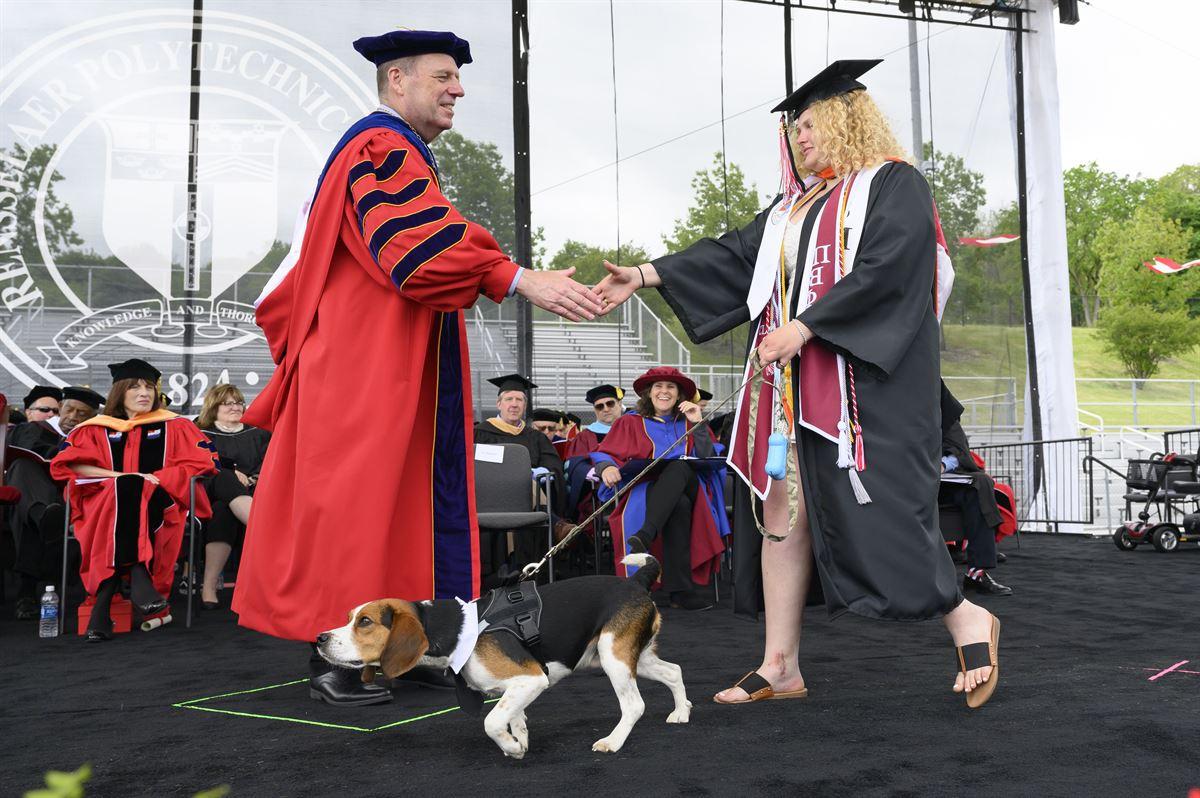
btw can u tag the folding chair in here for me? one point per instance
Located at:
(190, 527)
(504, 496)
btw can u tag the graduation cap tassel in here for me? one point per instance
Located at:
(787, 161)
(860, 492)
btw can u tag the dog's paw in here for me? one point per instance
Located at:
(682, 715)
(517, 754)
(606, 745)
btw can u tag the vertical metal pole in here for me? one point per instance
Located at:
(1133, 397)
(1035, 406)
(191, 525)
(787, 45)
(191, 274)
(914, 88)
(521, 190)
(62, 600)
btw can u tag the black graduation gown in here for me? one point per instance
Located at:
(885, 559)
(244, 450)
(541, 454)
(37, 537)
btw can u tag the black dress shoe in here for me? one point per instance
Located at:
(985, 585)
(343, 687)
(428, 677)
(692, 600)
(209, 605)
(1001, 557)
(637, 544)
(98, 636)
(153, 608)
(27, 608)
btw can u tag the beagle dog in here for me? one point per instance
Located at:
(589, 620)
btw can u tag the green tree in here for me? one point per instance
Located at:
(588, 260)
(1093, 199)
(707, 216)
(1178, 193)
(1124, 245)
(21, 171)
(474, 178)
(987, 280)
(958, 192)
(1142, 337)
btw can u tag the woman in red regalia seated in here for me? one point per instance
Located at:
(128, 473)
(676, 503)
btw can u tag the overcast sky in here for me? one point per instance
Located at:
(1128, 98)
(1125, 79)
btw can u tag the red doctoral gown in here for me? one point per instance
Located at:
(354, 505)
(160, 443)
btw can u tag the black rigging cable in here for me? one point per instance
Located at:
(724, 159)
(612, 41)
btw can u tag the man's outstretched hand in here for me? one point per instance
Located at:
(558, 293)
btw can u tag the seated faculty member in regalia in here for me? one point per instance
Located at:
(129, 471)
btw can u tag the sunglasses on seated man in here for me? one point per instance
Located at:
(604, 405)
(42, 409)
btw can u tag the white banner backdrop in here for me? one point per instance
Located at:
(1050, 289)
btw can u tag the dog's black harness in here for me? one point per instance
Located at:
(516, 609)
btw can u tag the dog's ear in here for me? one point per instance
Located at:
(406, 644)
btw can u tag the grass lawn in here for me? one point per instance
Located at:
(989, 351)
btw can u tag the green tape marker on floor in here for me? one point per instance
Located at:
(194, 703)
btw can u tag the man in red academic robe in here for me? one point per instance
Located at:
(371, 305)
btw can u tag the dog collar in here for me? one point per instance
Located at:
(467, 635)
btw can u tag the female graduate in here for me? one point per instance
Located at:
(674, 504)
(128, 471)
(843, 280)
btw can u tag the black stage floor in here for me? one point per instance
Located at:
(1083, 708)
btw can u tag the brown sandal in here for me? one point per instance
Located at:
(759, 689)
(981, 655)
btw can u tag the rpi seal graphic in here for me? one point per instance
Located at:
(112, 98)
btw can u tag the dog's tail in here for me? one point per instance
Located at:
(648, 569)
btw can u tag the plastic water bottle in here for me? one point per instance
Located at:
(48, 627)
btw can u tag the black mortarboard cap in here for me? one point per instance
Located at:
(602, 391)
(543, 414)
(512, 382)
(38, 391)
(404, 43)
(704, 395)
(573, 419)
(85, 395)
(134, 369)
(840, 77)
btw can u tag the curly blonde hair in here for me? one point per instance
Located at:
(851, 133)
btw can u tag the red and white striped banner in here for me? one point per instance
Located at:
(1168, 266)
(994, 241)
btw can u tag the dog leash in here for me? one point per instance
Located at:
(531, 569)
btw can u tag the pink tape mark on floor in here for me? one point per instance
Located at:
(1163, 673)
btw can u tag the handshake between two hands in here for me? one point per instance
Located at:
(559, 293)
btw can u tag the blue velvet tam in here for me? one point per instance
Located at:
(404, 43)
